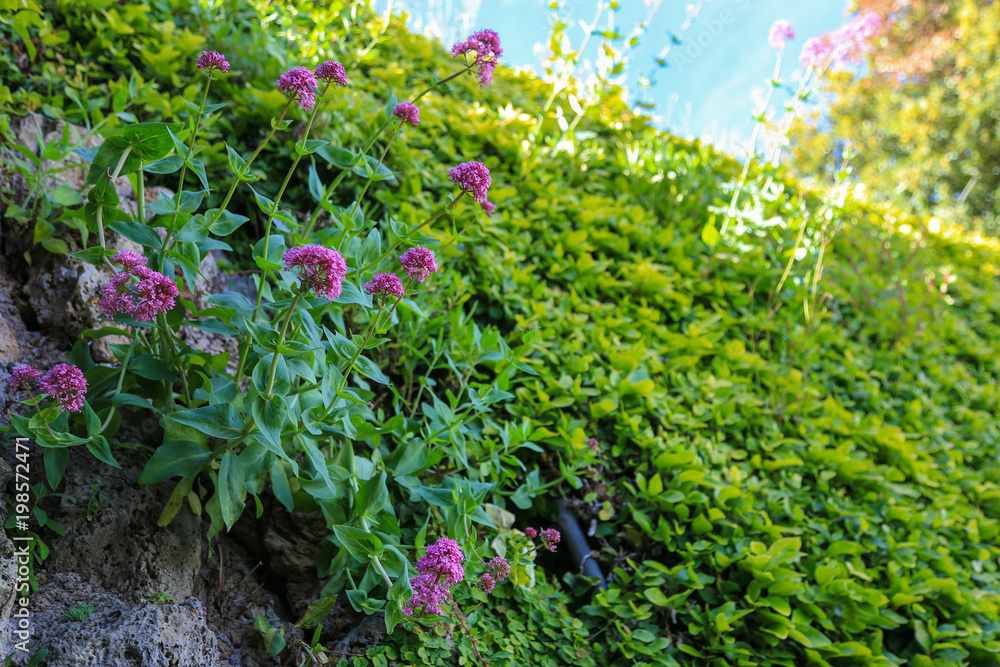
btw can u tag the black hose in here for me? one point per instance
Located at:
(578, 547)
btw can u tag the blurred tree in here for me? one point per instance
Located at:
(923, 116)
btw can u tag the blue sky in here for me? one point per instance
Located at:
(716, 76)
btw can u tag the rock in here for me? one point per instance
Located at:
(8, 569)
(118, 632)
(150, 559)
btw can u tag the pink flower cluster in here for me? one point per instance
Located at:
(385, 285)
(474, 178)
(23, 377)
(299, 84)
(497, 569)
(780, 31)
(154, 294)
(332, 72)
(485, 44)
(550, 537)
(210, 61)
(320, 269)
(407, 112)
(438, 570)
(418, 263)
(65, 383)
(843, 44)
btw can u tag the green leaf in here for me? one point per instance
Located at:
(93, 255)
(316, 188)
(99, 447)
(317, 612)
(390, 105)
(138, 232)
(149, 141)
(227, 222)
(310, 146)
(349, 293)
(709, 234)
(177, 457)
(55, 459)
(274, 639)
(368, 368)
(338, 157)
(279, 485)
(372, 496)
(370, 249)
(360, 544)
(220, 421)
(231, 488)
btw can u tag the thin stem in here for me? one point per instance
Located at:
(410, 233)
(731, 212)
(385, 576)
(329, 190)
(121, 379)
(140, 195)
(39, 410)
(357, 353)
(469, 409)
(364, 190)
(281, 340)
(184, 166)
(246, 167)
(100, 209)
(277, 201)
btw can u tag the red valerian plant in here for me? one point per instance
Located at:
(296, 408)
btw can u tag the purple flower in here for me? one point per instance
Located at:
(550, 538)
(321, 269)
(407, 112)
(443, 559)
(332, 72)
(844, 43)
(472, 177)
(531, 533)
(129, 260)
(66, 384)
(155, 294)
(418, 263)
(299, 83)
(489, 208)
(498, 568)
(117, 298)
(487, 583)
(385, 284)
(428, 596)
(485, 44)
(210, 61)
(780, 31)
(23, 377)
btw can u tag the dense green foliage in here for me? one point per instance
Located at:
(803, 475)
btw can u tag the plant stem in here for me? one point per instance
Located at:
(759, 123)
(121, 379)
(277, 201)
(410, 233)
(246, 167)
(100, 209)
(281, 340)
(329, 190)
(364, 190)
(180, 187)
